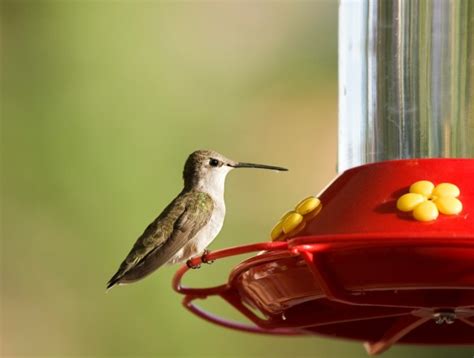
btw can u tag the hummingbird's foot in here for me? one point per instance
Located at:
(191, 266)
(204, 258)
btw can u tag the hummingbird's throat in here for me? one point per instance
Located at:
(214, 183)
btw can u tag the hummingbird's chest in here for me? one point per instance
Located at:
(209, 232)
(203, 238)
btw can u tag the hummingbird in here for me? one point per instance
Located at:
(189, 223)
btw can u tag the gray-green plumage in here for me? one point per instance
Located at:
(165, 236)
(189, 223)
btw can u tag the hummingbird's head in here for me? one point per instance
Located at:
(206, 169)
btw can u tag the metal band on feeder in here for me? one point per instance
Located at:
(385, 254)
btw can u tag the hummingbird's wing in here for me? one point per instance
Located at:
(165, 236)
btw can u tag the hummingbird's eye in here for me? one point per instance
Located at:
(213, 162)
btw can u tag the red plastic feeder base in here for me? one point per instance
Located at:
(361, 269)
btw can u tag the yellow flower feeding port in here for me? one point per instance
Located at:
(426, 201)
(294, 221)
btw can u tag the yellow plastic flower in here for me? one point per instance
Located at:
(294, 221)
(426, 200)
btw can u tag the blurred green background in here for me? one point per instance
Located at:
(101, 103)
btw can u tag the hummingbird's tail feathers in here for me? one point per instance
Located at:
(111, 284)
(115, 279)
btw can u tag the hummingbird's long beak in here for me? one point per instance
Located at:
(261, 166)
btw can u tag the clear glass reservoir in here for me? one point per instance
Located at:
(405, 80)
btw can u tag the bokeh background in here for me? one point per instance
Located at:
(101, 103)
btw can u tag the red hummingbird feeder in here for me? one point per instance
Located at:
(386, 255)
(360, 268)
